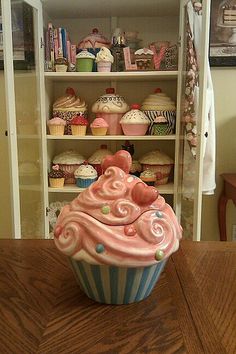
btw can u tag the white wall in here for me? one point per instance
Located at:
(224, 81)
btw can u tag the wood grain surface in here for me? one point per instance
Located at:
(191, 310)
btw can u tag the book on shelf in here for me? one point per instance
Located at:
(57, 40)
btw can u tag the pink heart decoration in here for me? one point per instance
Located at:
(144, 195)
(121, 159)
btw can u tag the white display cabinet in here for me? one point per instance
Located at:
(154, 20)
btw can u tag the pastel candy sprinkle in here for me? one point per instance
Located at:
(100, 248)
(159, 214)
(106, 209)
(159, 255)
(129, 230)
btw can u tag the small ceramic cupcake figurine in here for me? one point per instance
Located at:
(78, 125)
(144, 59)
(148, 177)
(99, 126)
(104, 59)
(134, 122)
(85, 175)
(56, 177)
(56, 126)
(160, 126)
(84, 61)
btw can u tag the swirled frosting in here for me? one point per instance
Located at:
(70, 101)
(158, 101)
(118, 221)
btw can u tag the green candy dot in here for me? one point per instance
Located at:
(159, 255)
(100, 248)
(106, 209)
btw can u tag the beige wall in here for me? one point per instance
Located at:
(224, 81)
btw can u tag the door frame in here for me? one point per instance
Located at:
(11, 106)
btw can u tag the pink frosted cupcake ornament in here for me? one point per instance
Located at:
(56, 126)
(118, 234)
(99, 126)
(134, 122)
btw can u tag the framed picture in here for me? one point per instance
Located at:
(22, 36)
(222, 48)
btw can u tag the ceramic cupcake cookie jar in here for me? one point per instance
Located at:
(134, 122)
(84, 61)
(93, 42)
(159, 104)
(69, 105)
(111, 107)
(118, 234)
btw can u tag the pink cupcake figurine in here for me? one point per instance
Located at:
(134, 122)
(99, 126)
(56, 126)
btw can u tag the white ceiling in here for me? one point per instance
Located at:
(105, 8)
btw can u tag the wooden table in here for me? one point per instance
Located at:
(228, 193)
(191, 310)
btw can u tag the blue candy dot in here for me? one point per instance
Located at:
(100, 248)
(159, 214)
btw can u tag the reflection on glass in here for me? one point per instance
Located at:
(27, 120)
(5, 210)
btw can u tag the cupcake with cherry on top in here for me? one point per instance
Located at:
(78, 125)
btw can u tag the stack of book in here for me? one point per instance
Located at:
(57, 43)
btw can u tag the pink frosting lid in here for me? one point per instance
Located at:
(99, 123)
(56, 121)
(129, 219)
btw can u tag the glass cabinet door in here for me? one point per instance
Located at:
(24, 75)
(192, 91)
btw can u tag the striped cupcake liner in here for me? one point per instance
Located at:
(169, 115)
(114, 285)
(84, 182)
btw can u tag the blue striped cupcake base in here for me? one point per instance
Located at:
(114, 285)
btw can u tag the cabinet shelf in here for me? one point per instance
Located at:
(117, 76)
(163, 189)
(112, 137)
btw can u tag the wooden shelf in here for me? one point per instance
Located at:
(117, 76)
(163, 189)
(111, 137)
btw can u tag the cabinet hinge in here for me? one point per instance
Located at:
(41, 43)
(47, 210)
(179, 41)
